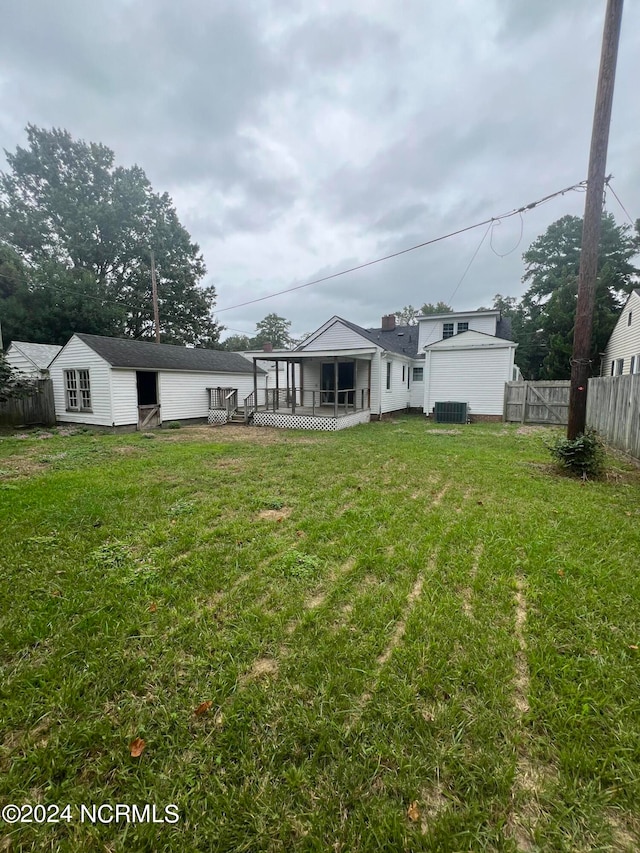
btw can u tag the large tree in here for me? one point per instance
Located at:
(84, 229)
(545, 320)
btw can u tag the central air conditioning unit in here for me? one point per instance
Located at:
(451, 413)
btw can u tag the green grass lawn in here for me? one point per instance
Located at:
(391, 638)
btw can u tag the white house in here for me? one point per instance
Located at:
(31, 359)
(343, 374)
(622, 354)
(112, 382)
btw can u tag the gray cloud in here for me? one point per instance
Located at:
(298, 137)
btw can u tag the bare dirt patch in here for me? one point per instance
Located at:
(262, 668)
(230, 432)
(433, 802)
(275, 514)
(438, 498)
(467, 592)
(444, 432)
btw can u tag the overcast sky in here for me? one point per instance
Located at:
(300, 137)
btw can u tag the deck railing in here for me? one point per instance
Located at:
(319, 401)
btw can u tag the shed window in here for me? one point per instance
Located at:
(463, 327)
(632, 368)
(78, 390)
(619, 366)
(447, 330)
(388, 375)
(629, 318)
(418, 374)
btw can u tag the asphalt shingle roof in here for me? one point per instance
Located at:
(40, 354)
(143, 355)
(402, 339)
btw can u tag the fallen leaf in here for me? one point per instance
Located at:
(203, 707)
(635, 648)
(137, 747)
(153, 607)
(561, 572)
(413, 812)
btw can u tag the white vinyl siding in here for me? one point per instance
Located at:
(397, 396)
(431, 330)
(337, 336)
(184, 395)
(472, 376)
(124, 396)
(625, 338)
(20, 363)
(77, 356)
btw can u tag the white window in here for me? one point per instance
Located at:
(418, 374)
(447, 330)
(633, 367)
(619, 366)
(463, 327)
(388, 375)
(77, 390)
(637, 370)
(403, 372)
(629, 318)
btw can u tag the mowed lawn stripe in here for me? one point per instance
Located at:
(279, 580)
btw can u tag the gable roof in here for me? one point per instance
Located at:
(41, 355)
(144, 355)
(402, 340)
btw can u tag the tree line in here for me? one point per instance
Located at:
(542, 320)
(77, 232)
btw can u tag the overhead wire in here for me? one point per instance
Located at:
(581, 185)
(515, 212)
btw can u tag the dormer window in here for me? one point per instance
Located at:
(447, 330)
(463, 327)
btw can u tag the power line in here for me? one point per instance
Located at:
(464, 274)
(615, 195)
(491, 219)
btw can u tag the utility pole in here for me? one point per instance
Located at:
(154, 296)
(593, 221)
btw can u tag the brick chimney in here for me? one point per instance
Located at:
(267, 346)
(388, 322)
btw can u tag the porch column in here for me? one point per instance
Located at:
(301, 383)
(369, 387)
(335, 386)
(277, 379)
(355, 384)
(255, 383)
(293, 387)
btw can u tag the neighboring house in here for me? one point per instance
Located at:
(344, 374)
(622, 354)
(31, 359)
(114, 382)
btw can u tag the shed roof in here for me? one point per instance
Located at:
(144, 355)
(40, 354)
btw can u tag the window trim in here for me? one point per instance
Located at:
(419, 378)
(464, 323)
(77, 384)
(629, 318)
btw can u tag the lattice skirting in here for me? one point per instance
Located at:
(217, 416)
(285, 421)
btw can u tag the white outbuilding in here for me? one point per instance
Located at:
(116, 382)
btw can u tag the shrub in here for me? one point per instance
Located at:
(173, 425)
(582, 456)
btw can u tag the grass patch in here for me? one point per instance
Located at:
(416, 640)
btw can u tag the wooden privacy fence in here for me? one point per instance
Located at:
(37, 408)
(544, 402)
(613, 409)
